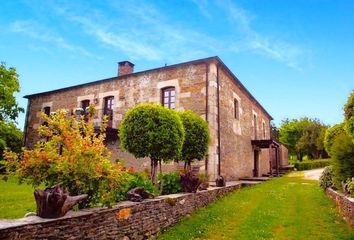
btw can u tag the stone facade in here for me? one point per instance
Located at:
(196, 85)
(127, 220)
(345, 205)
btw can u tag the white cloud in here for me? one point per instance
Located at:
(279, 50)
(37, 31)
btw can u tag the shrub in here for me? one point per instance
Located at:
(350, 186)
(343, 158)
(197, 137)
(75, 155)
(331, 134)
(190, 181)
(150, 130)
(11, 139)
(326, 179)
(133, 180)
(171, 183)
(312, 164)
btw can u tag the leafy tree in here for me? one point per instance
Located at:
(73, 154)
(331, 134)
(303, 137)
(197, 137)
(342, 152)
(349, 115)
(9, 85)
(289, 135)
(150, 130)
(11, 139)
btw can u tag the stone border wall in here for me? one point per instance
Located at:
(344, 203)
(127, 220)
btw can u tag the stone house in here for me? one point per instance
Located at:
(241, 144)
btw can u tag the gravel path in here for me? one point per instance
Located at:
(313, 174)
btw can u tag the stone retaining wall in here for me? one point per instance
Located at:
(345, 205)
(127, 220)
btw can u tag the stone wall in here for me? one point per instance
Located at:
(127, 220)
(344, 204)
(128, 91)
(236, 134)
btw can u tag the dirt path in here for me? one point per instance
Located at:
(314, 174)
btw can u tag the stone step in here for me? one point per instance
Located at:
(259, 179)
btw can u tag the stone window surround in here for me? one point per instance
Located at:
(238, 98)
(264, 129)
(165, 84)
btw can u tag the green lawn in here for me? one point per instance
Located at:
(283, 208)
(15, 200)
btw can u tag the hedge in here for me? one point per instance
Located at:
(312, 164)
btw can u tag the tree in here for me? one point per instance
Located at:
(289, 135)
(330, 136)
(342, 153)
(349, 115)
(197, 137)
(9, 85)
(303, 137)
(150, 130)
(11, 139)
(73, 154)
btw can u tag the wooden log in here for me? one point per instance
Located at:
(138, 194)
(54, 202)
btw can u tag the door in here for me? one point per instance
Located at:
(256, 163)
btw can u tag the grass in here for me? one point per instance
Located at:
(15, 200)
(283, 208)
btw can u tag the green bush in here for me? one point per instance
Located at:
(150, 130)
(331, 134)
(74, 155)
(326, 179)
(133, 180)
(350, 186)
(343, 158)
(171, 183)
(197, 137)
(312, 164)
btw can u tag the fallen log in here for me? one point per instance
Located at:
(54, 202)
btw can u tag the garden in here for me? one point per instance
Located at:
(72, 162)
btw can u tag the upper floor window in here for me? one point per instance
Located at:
(255, 126)
(236, 109)
(85, 104)
(264, 130)
(108, 110)
(46, 110)
(169, 97)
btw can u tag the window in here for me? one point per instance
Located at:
(46, 110)
(236, 109)
(169, 97)
(264, 130)
(108, 110)
(85, 104)
(255, 126)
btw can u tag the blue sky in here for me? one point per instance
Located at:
(295, 56)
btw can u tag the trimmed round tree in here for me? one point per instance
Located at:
(197, 137)
(150, 130)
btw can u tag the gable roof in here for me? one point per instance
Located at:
(203, 60)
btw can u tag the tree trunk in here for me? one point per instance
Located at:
(153, 171)
(55, 202)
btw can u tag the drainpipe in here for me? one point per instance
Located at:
(206, 107)
(218, 119)
(26, 123)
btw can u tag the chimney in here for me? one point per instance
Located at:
(125, 67)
